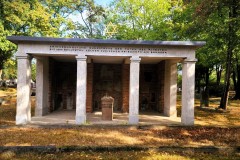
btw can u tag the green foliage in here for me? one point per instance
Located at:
(90, 17)
(10, 69)
(33, 68)
(210, 20)
(93, 22)
(211, 29)
(48, 18)
(29, 18)
(6, 47)
(143, 19)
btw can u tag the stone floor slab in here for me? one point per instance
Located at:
(95, 118)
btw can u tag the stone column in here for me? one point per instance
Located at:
(170, 88)
(134, 90)
(81, 89)
(42, 86)
(188, 89)
(23, 90)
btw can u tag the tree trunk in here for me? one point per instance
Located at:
(237, 83)
(204, 99)
(1, 69)
(230, 47)
(198, 85)
(0, 74)
(234, 80)
(207, 74)
(219, 74)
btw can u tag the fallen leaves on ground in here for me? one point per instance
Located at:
(120, 136)
(124, 155)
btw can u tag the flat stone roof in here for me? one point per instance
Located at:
(27, 39)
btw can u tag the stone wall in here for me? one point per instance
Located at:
(148, 87)
(63, 85)
(89, 104)
(51, 84)
(125, 87)
(102, 79)
(107, 80)
(160, 85)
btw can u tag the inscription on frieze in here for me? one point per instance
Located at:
(106, 49)
(66, 48)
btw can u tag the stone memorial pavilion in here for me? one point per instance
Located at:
(74, 74)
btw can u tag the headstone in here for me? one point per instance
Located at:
(107, 107)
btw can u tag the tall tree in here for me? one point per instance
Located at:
(6, 48)
(143, 19)
(28, 18)
(190, 25)
(60, 12)
(216, 21)
(91, 22)
(232, 42)
(24, 17)
(236, 75)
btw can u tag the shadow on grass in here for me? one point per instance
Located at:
(124, 155)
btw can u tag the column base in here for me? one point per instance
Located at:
(133, 119)
(187, 121)
(80, 119)
(21, 120)
(41, 112)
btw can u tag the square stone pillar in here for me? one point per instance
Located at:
(188, 90)
(134, 90)
(42, 86)
(170, 88)
(23, 90)
(81, 89)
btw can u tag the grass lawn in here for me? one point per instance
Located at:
(213, 128)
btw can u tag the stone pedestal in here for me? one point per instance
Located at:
(107, 108)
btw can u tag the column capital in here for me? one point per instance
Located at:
(135, 59)
(190, 60)
(24, 57)
(81, 58)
